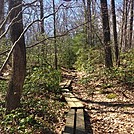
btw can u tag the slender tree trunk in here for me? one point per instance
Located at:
(85, 19)
(42, 30)
(2, 15)
(19, 59)
(106, 34)
(55, 42)
(122, 26)
(89, 24)
(115, 32)
(131, 23)
(93, 22)
(42, 15)
(125, 26)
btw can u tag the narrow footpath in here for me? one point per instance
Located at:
(107, 110)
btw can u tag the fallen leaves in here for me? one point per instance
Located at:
(110, 111)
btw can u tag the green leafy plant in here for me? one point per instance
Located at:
(111, 96)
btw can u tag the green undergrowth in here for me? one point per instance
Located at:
(89, 59)
(111, 96)
(41, 106)
(99, 76)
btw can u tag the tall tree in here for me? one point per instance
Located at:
(122, 25)
(42, 15)
(85, 21)
(115, 32)
(1, 15)
(125, 25)
(89, 23)
(106, 34)
(18, 59)
(131, 23)
(55, 42)
(87, 17)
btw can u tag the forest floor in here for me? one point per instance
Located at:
(109, 108)
(109, 105)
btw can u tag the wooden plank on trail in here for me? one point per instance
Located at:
(69, 128)
(75, 122)
(68, 95)
(75, 105)
(75, 99)
(62, 84)
(72, 105)
(69, 82)
(65, 90)
(68, 99)
(80, 123)
(66, 84)
(79, 105)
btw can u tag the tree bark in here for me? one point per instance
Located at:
(18, 59)
(131, 23)
(85, 21)
(115, 33)
(106, 34)
(89, 23)
(41, 16)
(125, 26)
(55, 42)
(122, 26)
(2, 15)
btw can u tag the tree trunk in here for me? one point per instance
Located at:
(89, 23)
(125, 26)
(115, 32)
(2, 15)
(122, 26)
(19, 59)
(55, 42)
(85, 21)
(41, 16)
(131, 23)
(106, 34)
(93, 25)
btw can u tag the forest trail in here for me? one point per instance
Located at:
(107, 109)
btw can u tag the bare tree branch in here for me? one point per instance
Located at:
(13, 20)
(9, 13)
(52, 37)
(24, 31)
